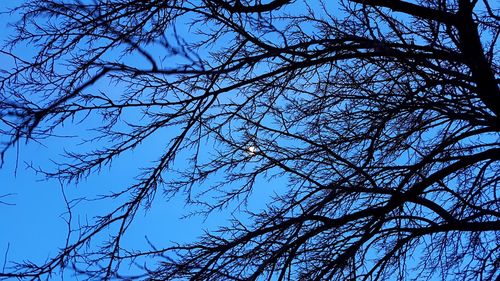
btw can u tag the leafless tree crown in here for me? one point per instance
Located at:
(382, 116)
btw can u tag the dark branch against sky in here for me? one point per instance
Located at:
(334, 140)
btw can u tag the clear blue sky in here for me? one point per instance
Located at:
(32, 225)
(33, 222)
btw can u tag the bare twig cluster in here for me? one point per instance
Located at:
(383, 116)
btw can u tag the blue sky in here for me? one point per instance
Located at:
(34, 220)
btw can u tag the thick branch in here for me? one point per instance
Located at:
(412, 9)
(482, 73)
(259, 8)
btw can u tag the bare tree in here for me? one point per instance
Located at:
(383, 117)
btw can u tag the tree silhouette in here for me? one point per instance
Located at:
(382, 116)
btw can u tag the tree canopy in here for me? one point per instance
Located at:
(381, 116)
